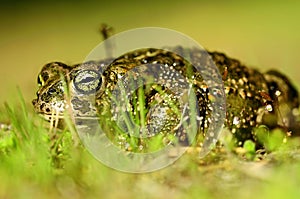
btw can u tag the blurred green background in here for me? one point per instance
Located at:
(261, 34)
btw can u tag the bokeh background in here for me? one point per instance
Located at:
(262, 34)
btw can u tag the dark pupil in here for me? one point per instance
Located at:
(87, 80)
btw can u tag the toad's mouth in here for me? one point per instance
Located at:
(52, 108)
(52, 117)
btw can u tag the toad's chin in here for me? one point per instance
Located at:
(53, 118)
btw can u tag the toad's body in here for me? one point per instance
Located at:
(252, 98)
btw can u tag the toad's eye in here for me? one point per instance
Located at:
(87, 81)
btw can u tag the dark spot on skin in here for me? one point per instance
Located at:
(47, 110)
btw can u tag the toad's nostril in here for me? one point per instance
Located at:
(34, 102)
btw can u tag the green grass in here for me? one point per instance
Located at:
(36, 162)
